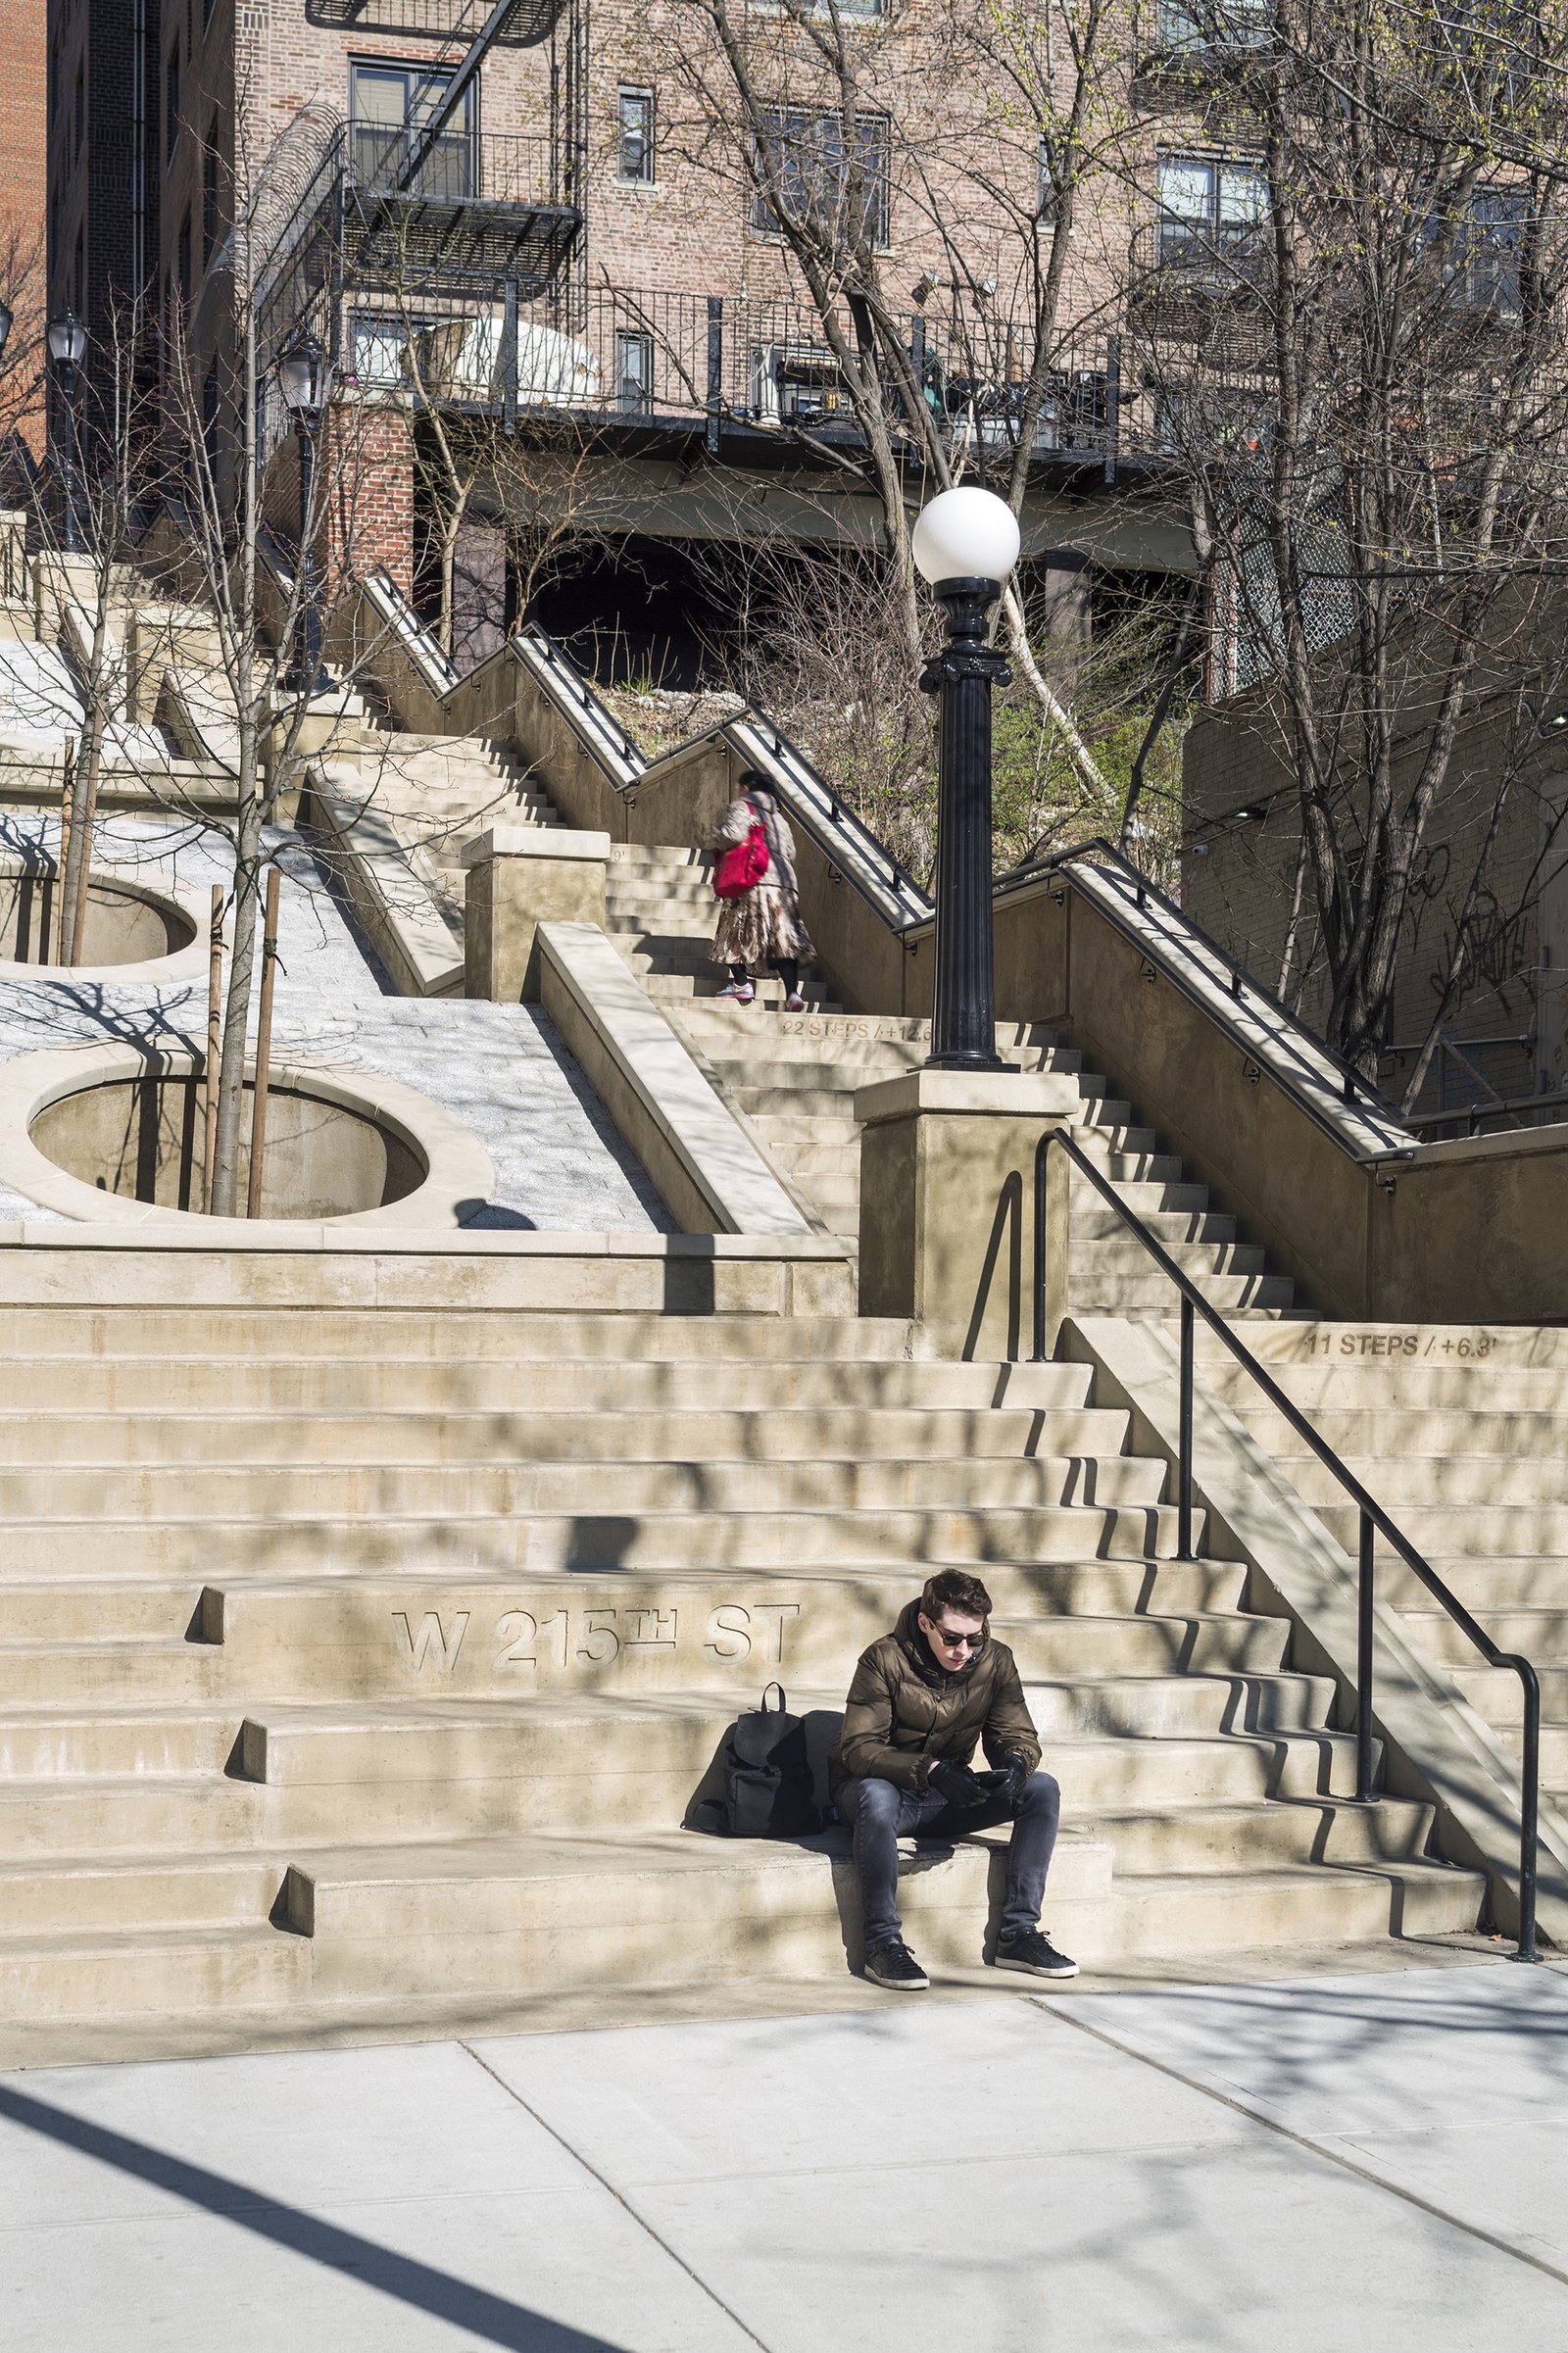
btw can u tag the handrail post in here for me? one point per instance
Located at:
(1529, 1819)
(1041, 1149)
(1184, 1447)
(1363, 1665)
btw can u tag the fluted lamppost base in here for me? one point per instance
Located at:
(963, 1009)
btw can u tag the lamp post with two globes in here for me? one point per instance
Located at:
(965, 543)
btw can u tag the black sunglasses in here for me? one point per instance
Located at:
(951, 1641)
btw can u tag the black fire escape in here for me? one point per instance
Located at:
(441, 226)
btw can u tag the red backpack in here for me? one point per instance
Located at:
(741, 868)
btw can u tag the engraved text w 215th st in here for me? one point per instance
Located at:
(567, 1642)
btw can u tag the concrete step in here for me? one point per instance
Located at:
(37, 1745)
(320, 1384)
(1466, 1479)
(127, 1897)
(1260, 1834)
(1383, 1434)
(1405, 1384)
(588, 1912)
(1163, 1708)
(1538, 1634)
(1462, 1527)
(1117, 1286)
(469, 1635)
(592, 1762)
(455, 1436)
(1486, 1582)
(606, 1911)
(1201, 1229)
(1217, 1641)
(1495, 1693)
(236, 1331)
(1308, 1904)
(189, 1543)
(190, 1973)
(394, 1488)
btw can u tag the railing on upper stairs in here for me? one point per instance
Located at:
(1374, 1520)
(1330, 1090)
(1336, 1097)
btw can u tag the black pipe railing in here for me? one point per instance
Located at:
(1374, 1520)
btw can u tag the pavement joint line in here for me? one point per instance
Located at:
(1228, 2095)
(621, 2198)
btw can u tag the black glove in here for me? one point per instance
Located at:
(1013, 1775)
(956, 1786)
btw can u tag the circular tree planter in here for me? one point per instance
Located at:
(131, 932)
(110, 1134)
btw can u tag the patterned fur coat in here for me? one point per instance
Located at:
(764, 923)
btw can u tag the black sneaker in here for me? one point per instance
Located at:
(895, 1967)
(1034, 1955)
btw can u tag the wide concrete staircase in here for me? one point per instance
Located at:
(795, 1076)
(1462, 1436)
(362, 1662)
(439, 792)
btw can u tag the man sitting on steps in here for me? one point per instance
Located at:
(920, 1698)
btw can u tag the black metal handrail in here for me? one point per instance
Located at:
(1311, 1054)
(1373, 1518)
(1515, 1108)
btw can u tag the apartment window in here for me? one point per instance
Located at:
(634, 155)
(210, 213)
(182, 258)
(388, 107)
(1485, 265)
(1186, 25)
(78, 279)
(634, 371)
(171, 102)
(1209, 208)
(1045, 186)
(79, 109)
(821, 176)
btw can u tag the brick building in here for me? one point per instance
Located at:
(574, 240)
(23, 127)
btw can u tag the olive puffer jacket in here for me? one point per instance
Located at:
(904, 1711)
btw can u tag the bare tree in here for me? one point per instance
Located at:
(1356, 349)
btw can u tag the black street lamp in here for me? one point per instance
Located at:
(966, 544)
(66, 340)
(304, 377)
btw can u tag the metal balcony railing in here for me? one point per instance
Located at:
(648, 355)
(463, 167)
(446, 21)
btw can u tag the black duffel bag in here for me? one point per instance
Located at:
(767, 1787)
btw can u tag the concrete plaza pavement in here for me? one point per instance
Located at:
(1368, 2160)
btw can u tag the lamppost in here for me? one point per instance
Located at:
(304, 377)
(66, 340)
(966, 544)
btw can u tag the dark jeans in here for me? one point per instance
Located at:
(880, 1815)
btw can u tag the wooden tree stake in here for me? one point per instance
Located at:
(67, 799)
(263, 1045)
(215, 1002)
(87, 809)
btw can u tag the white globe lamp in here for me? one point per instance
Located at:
(965, 534)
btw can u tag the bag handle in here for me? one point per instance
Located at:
(783, 1707)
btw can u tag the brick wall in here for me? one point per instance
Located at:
(23, 161)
